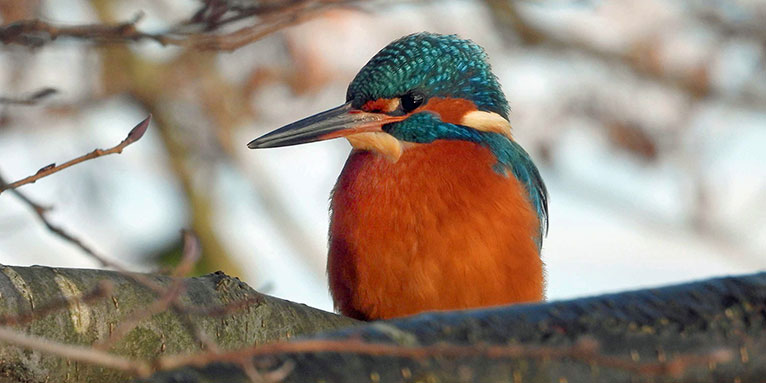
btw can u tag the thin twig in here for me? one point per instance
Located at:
(74, 352)
(509, 16)
(585, 351)
(190, 256)
(36, 32)
(168, 295)
(196, 331)
(41, 211)
(32, 99)
(103, 289)
(252, 373)
(129, 323)
(135, 134)
(293, 13)
(280, 373)
(241, 37)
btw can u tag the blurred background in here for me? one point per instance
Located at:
(646, 118)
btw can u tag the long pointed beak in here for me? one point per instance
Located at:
(337, 122)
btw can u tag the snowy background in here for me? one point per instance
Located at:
(647, 120)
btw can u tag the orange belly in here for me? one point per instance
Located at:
(437, 230)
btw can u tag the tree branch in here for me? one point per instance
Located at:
(699, 332)
(103, 289)
(32, 99)
(693, 83)
(82, 354)
(135, 134)
(584, 351)
(60, 342)
(190, 255)
(212, 17)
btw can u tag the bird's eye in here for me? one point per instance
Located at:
(412, 101)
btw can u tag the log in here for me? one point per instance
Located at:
(710, 331)
(228, 311)
(707, 331)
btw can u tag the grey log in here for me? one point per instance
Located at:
(710, 331)
(22, 289)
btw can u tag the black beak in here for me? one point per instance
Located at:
(337, 122)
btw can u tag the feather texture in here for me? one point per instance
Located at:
(437, 230)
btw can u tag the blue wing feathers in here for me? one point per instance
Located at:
(512, 156)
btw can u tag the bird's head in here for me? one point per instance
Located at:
(420, 88)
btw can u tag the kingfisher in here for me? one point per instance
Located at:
(437, 206)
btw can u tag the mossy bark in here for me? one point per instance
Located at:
(707, 331)
(710, 331)
(263, 319)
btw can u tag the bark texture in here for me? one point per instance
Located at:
(710, 331)
(263, 319)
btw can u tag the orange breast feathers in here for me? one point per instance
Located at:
(437, 230)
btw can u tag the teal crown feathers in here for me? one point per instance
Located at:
(435, 65)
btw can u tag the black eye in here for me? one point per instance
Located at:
(412, 101)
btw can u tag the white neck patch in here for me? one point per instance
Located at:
(487, 122)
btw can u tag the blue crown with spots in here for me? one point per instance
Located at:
(434, 65)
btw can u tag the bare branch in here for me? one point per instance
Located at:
(693, 83)
(32, 99)
(270, 319)
(74, 353)
(168, 296)
(190, 256)
(196, 331)
(270, 18)
(129, 323)
(586, 350)
(103, 289)
(41, 214)
(36, 33)
(694, 332)
(135, 134)
(243, 36)
(675, 332)
(741, 28)
(291, 14)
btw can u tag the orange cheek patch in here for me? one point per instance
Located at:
(381, 105)
(450, 110)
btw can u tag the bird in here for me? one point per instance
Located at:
(437, 206)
